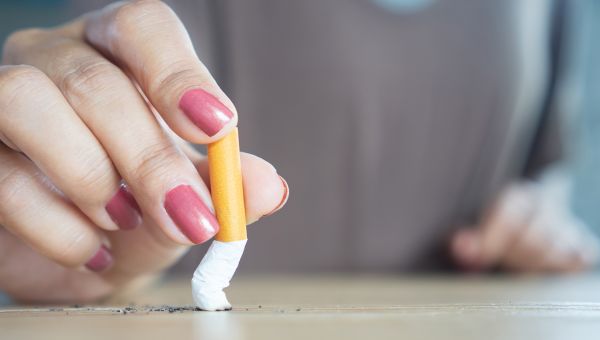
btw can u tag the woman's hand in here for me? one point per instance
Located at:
(84, 108)
(530, 229)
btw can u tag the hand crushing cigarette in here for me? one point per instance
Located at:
(220, 262)
(137, 184)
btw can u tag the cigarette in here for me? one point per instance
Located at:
(222, 258)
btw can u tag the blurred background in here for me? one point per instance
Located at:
(394, 121)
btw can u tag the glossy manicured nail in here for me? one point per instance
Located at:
(101, 261)
(205, 111)
(284, 198)
(190, 214)
(124, 210)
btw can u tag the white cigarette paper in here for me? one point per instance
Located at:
(214, 273)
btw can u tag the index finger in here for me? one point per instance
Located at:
(148, 39)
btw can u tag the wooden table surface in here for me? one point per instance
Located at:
(331, 307)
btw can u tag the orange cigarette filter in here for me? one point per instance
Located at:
(226, 187)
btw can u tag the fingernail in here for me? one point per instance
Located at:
(205, 111)
(284, 198)
(190, 214)
(124, 210)
(101, 261)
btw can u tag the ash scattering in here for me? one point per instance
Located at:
(159, 309)
(131, 309)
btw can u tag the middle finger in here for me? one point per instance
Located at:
(163, 181)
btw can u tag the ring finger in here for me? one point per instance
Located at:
(40, 217)
(164, 182)
(36, 119)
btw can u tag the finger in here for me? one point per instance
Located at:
(589, 252)
(534, 250)
(535, 253)
(507, 220)
(142, 253)
(553, 244)
(165, 184)
(465, 248)
(38, 121)
(265, 192)
(39, 216)
(576, 238)
(23, 267)
(148, 39)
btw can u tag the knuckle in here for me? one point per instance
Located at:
(154, 162)
(89, 75)
(16, 83)
(18, 40)
(135, 13)
(15, 80)
(94, 174)
(13, 185)
(172, 76)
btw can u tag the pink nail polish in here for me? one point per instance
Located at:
(190, 214)
(205, 110)
(101, 261)
(284, 198)
(124, 210)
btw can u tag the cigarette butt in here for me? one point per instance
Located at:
(226, 187)
(216, 269)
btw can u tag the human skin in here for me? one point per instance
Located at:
(529, 229)
(116, 95)
(95, 117)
